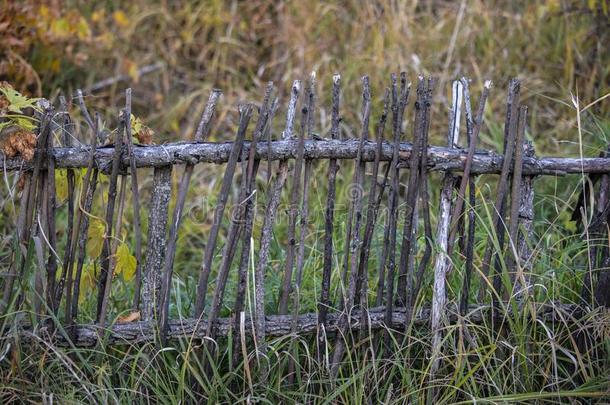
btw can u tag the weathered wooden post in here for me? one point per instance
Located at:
(157, 237)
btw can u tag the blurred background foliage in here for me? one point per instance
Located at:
(558, 48)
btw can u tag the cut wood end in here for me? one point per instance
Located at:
(296, 86)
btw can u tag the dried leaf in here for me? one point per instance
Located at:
(141, 132)
(145, 136)
(19, 142)
(131, 317)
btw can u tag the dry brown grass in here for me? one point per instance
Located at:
(556, 47)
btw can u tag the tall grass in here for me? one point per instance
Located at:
(555, 47)
(524, 360)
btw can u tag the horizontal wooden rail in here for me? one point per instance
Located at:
(439, 158)
(279, 325)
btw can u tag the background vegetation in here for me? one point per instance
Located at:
(558, 48)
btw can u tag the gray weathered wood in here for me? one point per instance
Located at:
(201, 133)
(510, 131)
(157, 234)
(279, 325)
(245, 112)
(439, 158)
(515, 266)
(439, 294)
(526, 225)
(273, 201)
(329, 216)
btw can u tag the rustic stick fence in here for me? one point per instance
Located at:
(400, 267)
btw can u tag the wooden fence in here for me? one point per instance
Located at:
(378, 161)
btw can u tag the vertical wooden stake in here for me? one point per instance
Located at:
(324, 304)
(273, 201)
(442, 236)
(157, 233)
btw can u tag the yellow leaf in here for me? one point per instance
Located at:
(60, 28)
(55, 65)
(120, 18)
(87, 282)
(125, 262)
(131, 317)
(132, 71)
(82, 28)
(61, 185)
(95, 236)
(98, 15)
(136, 124)
(44, 12)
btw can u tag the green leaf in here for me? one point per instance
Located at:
(17, 102)
(25, 122)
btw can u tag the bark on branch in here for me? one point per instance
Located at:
(279, 325)
(439, 158)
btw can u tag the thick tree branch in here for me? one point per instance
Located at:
(439, 158)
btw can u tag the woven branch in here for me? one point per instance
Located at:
(278, 325)
(439, 158)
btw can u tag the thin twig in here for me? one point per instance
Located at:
(206, 267)
(79, 241)
(329, 216)
(273, 200)
(233, 234)
(473, 129)
(514, 266)
(262, 127)
(404, 268)
(123, 77)
(398, 106)
(415, 285)
(385, 243)
(201, 133)
(353, 239)
(510, 130)
(135, 195)
(52, 237)
(105, 281)
(67, 268)
(293, 214)
(371, 216)
(311, 100)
